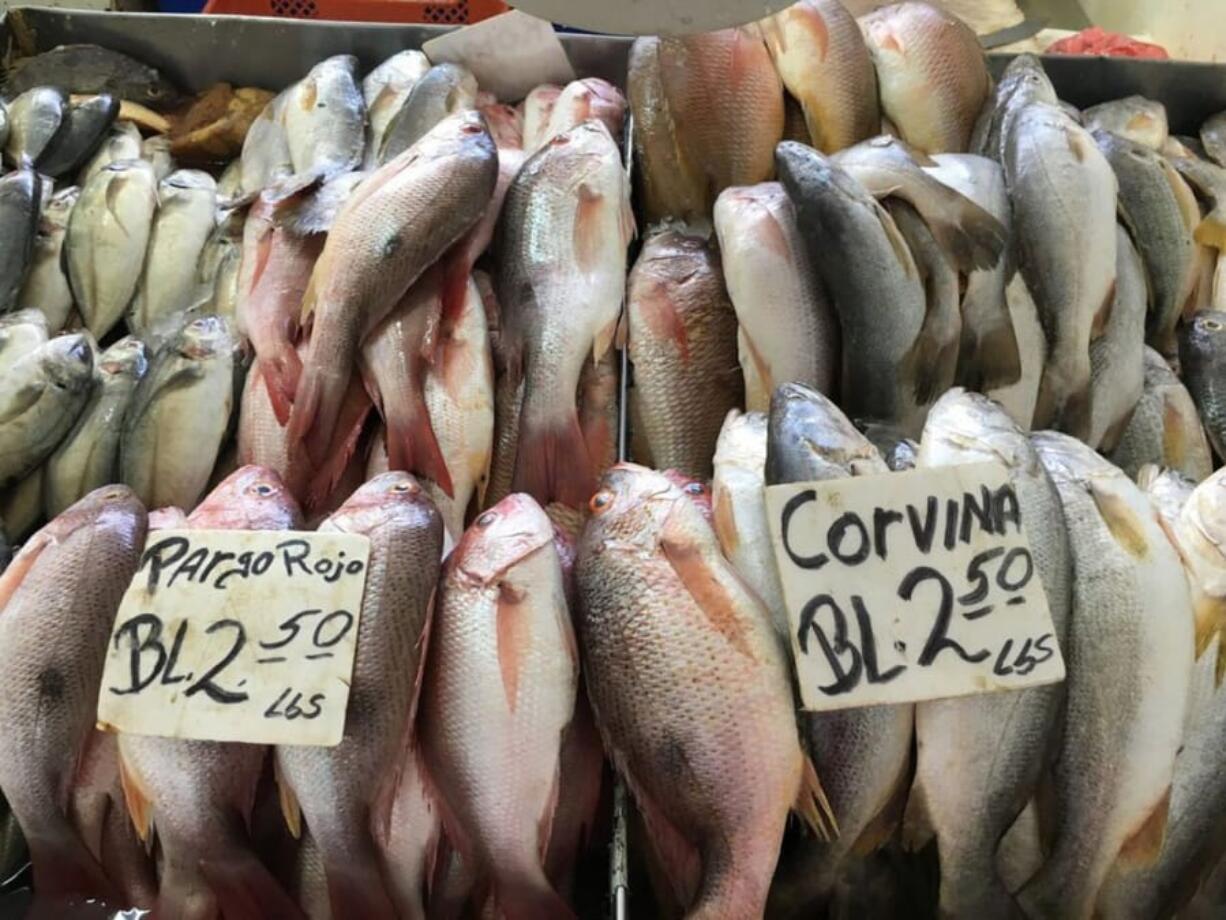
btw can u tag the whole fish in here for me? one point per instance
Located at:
(156, 151)
(1131, 628)
(46, 286)
(499, 691)
(788, 330)
(1161, 212)
(217, 272)
(179, 416)
(682, 341)
(1165, 427)
(345, 792)
(122, 142)
(41, 395)
(442, 91)
(197, 796)
(459, 395)
(21, 332)
(1140, 120)
(980, 758)
(59, 597)
(385, 90)
(708, 111)
(824, 64)
(36, 119)
(889, 368)
(972, 236)
(702, 654)
(108, 233)
(1117, 362)
(266, 156)
(1213, 137)
(1023, 81)
(325, 119)
(88, 457)
(931, 71)
(402, 218)
(1064, 202)
(20, 197)
(584, 99)
(187, 202)
(988, 356)
(537, 110)
(739, 509)
(84, 68)
(1202, 354)
(863, 756)
(86, 124)
(565, 231)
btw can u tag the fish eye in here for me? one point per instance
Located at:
(487, 519)
(402, 488)
(262, 489)
(695, 488)
(1213, 325)
(113, 495)
(600, 501)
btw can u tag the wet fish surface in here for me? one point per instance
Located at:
(46, 286)
(1117, 358)
(1202, 354)
(20, 196)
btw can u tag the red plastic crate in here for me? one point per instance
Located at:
(435, 12)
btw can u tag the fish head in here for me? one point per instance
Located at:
(250, 498)
(968, 427)
(68, 361)
(389, 497)
(630, 508)
(206, 337)
(809, 174)
(106, 506)
(1206, 335)
(55, 214)
(499, 538)
(745, 205)
(809, 438)
(695, 489)
(127, 357)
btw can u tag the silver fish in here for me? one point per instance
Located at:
(443, 90)
(36, 118)
(86, 124)
(1140, 120)
(122, 142)
(217, 272)
(21, 332)
(1202, 354)
(1024, 81)
(385, 90)
(266, 157)
(156, 151)
(325, 119)
(46, 287)
(20, 197)
(1117, 363)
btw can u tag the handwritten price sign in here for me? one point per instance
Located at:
(237, 636)
(910, 586)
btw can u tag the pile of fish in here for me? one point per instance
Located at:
(397, 311)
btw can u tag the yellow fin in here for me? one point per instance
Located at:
(1127, 529)
(290, 808)
(140, 809)
(880, 830)
(812, 805)
(1145, 845)
(310, 295)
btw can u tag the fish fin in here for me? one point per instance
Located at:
(702, 582)
(663, 320)
(344, 445)
(453, 292)
(1219, 665)
(64, 869)
(917, 828)
(813, 806)
(293, 186)
(309, 421)
(723, 519)
(412, 445)
(604, 339)
(1145, 845)
(1103, 316)
(544, 825)
(290, 809)
(245, 890)
(1211, 231)
(529, 897)
(310, 296)
(1125, 526)
(1210, 614)
(552, 463)
(513, 629)
(21, 565)
(881, 828)
(281, 375)
(993, 360)
(356, 890)
(678, 857)
(972, 237)
(140, 808)
(588, 233)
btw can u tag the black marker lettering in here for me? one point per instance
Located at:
(205, 683)
(925, 532)
(168, 675)
(1007, 509)
(882, 519)
(844, 680)
(796, 502)
(262, 563)
(290, 627)
(838, 530)
(951, 523)
(938, 638)
(294, 553)
(340, 621)
(868, 645)
(1016, 583)
(219, 557)
(152, 643)
(976, 575)
(976, 511)
(191, 566)
(161, 556)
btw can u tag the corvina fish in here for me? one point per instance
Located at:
(385, 90)
(1117, 358)
(863, 756)
(36, 120)
(179, 415)
(972, 236)
(187, 203)
(980, 758)
(889, 367)
(1024, 81)
(824, 64)
(561, 280)
(931, 71)
(1165, 427)
(58, 599)
(122, 142)
(397, 224)
(537, 110)
(1197, 536)
(739, 509)
(442, 91)
(1140, 120)
(1064, 203)
(788, 330)
(681, 335)
(708, 112)
(20, 198)
(1161, 213)
(46, 286)
(325, 119)
(498, 693)
(21, 332)
(1129, 661)
(583, 100)
(85, 68)
(1202, 354)
(197, 796)
(41, 395)
(700, 660)
(345, 792)
(108, 233)
(989, 356)
(88, 457)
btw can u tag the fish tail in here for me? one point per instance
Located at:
(412, 445)
(1211, 231)
(973, 236)
(1064, 403)
(552, 462)
(356, 890)
(315, 409)
(281, 376)
(529, 896)
(65, 869)
(245, 890)
(340, 452)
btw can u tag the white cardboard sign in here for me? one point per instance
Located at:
(231, 635)
(910, 586)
